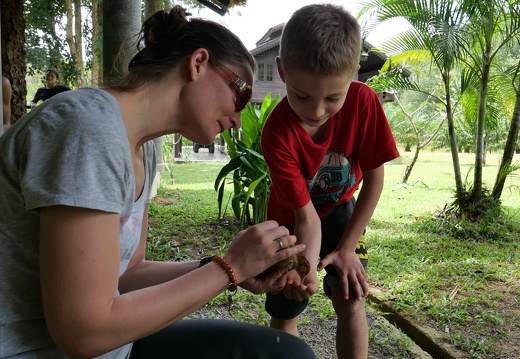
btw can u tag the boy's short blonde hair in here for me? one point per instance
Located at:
(321, 38)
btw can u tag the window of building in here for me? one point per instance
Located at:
(260, 72)
(269, 72)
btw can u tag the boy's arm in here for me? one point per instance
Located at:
(307, 230)
(343, 258)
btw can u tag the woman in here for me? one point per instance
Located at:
(51, 88)
(73, 223)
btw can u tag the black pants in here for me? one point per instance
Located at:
(216, 338)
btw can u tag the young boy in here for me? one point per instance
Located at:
(322, 139)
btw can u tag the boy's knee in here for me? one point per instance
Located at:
(279, 307)
(346, 307)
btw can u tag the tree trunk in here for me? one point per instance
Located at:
(96, 75)
(75, 37)
(409, 168)
(121, 22)
(78, 44)
(509, 150)
(13, 54)
(481, 126)
(452, 135)
(150, 8)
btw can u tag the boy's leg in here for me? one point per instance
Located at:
(289, 326)
(284, 312)
(352, 328)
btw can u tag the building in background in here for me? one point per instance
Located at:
(268, 80)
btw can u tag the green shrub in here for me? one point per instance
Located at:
(250, 176)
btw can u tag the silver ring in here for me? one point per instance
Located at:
(280, 244)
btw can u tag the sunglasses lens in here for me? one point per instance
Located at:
(243, 99)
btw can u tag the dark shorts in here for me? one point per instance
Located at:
(332, 227)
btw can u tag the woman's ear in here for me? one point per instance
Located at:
(280, 69)
(199, 61)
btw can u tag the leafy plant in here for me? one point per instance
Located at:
(250, 176)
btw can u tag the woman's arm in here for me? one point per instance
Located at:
(142, 273)
(80, 255)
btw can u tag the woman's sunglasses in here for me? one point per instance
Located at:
(244, 90)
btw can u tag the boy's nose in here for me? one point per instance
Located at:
(317, 112)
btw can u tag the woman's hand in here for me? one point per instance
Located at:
(259, 247)
(273, 282)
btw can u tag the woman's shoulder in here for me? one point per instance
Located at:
(82, 113)
(87, 102)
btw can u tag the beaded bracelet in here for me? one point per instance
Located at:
(233, 285)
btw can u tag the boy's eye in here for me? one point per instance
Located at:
(303, 97)
(332, 100)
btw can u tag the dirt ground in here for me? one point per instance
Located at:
(320, 333)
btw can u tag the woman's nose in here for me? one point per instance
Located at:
(236, 120)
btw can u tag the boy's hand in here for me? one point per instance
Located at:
(299, 290)
(349, 269)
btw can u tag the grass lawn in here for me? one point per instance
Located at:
(463, 279)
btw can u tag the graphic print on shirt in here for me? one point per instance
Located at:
(332, 179)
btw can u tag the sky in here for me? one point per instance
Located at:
(251, 22)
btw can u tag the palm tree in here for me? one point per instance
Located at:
(492, 25)
(464, 34)
(506, 166)
(436, 33)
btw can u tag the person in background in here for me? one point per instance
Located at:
(326, 136)
(76, 182)
(6, 103)
(51, 88)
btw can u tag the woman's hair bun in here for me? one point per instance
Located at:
(164, 23)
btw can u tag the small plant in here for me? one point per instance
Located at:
(250, 173)
(168, 144)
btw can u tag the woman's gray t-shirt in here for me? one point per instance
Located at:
(73, 151)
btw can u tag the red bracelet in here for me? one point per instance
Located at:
(233, 285)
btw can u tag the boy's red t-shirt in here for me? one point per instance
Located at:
(358, 138)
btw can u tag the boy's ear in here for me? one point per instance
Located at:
(198, 63)
(280, 69)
